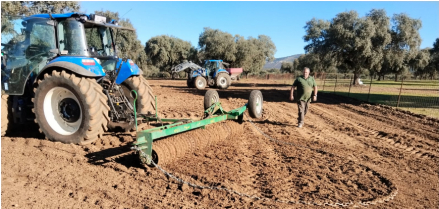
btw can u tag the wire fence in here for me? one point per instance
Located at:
(407, 93)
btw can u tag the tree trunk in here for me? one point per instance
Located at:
(356, 80)
(396, 77)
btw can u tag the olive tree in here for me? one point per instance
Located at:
(166, 51)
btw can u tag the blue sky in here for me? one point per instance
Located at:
(282, 21)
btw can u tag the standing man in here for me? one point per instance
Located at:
(305, 85)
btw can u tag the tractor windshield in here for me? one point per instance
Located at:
(99, 41)
(78, 39)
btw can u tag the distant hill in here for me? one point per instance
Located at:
(277, 63)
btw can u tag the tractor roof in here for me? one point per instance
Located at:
(88, 21)
(56, 16)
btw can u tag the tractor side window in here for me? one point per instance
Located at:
(13, 36)
(26, 45)
(42, 40)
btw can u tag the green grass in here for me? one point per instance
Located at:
(414, 103)
(417, 96)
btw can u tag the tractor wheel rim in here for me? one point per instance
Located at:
(200, 83)
(223, 81)
(62, 111)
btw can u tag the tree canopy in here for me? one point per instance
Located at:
(166, 51)
(251, 54)
(374, 43)
(38, 7)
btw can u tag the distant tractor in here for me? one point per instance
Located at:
(214, 74)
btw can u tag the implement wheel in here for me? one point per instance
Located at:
(200, 83)
(70, 109)
(255, 103)
(210, 97)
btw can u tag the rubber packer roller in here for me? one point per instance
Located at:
(151, 144)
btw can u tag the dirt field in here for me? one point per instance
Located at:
(346, 152)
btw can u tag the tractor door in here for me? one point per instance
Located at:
(211, 68)
(26, 45)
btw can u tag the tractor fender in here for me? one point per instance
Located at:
(220, 71)
(68, 66)
(197, 73)
(128, 69)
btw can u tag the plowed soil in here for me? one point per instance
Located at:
(347, 152)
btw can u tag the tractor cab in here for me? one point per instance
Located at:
(213, 67)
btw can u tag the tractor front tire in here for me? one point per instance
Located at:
(223, 81)
(255, 104)
(70, 109)
(200, 83)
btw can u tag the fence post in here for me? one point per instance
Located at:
(350, 84)
(336, 78)
(324, 80)
(400, 89)
(370, 85)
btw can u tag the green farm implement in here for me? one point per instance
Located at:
(214, 113)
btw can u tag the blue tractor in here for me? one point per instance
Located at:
(63, 72)
(213, 74)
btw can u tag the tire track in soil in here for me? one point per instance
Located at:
(401, 141)
(398, 118)
(333, 128)
(300, 136)
(321, 179)
(419, 126)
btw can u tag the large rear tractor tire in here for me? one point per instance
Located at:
(6, 114)
(190, 83)
(255, 104)
(223, 81)
(210, 97)
(70, 109)
(200, 83)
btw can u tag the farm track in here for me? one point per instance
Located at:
(357, 152)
